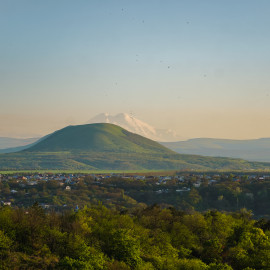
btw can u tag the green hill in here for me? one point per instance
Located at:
(110, 147)
(98, 138)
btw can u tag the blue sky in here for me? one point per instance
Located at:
(199, 67)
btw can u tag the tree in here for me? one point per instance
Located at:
(122, 246)
(194, 197)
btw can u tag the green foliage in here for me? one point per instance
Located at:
(142, 239)
(5, 242)
(191, 264)
(123, 247)
(251, 248)
(220, 266)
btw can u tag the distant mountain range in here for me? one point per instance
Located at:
(253, 150)
(23, 147)
(137, 126)
(6, 142)
(110, 147)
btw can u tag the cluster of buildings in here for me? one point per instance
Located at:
(196, 178)
(33, 179)
(183, 181)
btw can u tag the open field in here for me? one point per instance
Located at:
(134, 162)
(90, 171)
(127, 172)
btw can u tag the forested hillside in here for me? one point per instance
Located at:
(144, 238)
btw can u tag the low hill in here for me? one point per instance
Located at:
(110, 147)
(254, 150)
(99, 137)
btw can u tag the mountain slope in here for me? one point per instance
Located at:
(255, 150)
(98, 138)
(110, 147)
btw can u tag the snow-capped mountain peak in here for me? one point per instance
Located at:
(135, 125)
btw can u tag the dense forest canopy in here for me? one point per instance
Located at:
(144, 238)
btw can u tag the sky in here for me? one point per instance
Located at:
(198, 67)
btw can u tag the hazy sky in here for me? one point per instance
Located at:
(198, 67)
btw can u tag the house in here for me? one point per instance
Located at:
(45, 206)
(197, 184)
(183, 189)
(68, 188)
(212, 181)
(181, 179)
(7, 203)
(32, 183)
